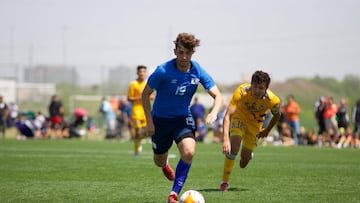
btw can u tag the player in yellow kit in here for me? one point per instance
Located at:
(138, 116)
(243, 121)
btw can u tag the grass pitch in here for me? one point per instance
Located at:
(106, 171)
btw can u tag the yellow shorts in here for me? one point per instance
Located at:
(247, 131)
(139, 123)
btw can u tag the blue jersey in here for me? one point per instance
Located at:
(175, 89)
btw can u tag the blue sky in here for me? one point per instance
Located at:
(287, 38)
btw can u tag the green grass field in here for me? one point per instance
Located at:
(106, 171)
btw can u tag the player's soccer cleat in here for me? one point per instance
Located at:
(224, 186)
(173, 198)
(168, 172)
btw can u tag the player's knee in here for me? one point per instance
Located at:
(231, 156)
(188, 155)
(159, 163)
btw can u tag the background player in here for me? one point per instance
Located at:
(138, 116)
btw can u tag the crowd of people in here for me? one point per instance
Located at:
(338, 125)
(333, 128)
(334, 123)
(32, 124)
(55, 124)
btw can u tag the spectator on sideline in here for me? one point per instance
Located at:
(27, 128)
(291, 111)
(312, 137)
(284, 131)
(114, 102)
(46, 129)
(109, 118)
(285, 136)
(303, 136)
(319, 108)
(356, 118)
(125, 116)
(331, 129)
(56, 113)
(13, 114)
(77, 127)
(346, 138)
(200, 132)
(197, 109)
(4, 113)
(342, 115)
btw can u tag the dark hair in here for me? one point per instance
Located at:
(141, 67)
(261, 77)
(187, 40)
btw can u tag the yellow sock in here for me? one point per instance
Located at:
(228, 167)
(137, 143)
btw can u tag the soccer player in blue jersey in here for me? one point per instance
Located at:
(169, 119)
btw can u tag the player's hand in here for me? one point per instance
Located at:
(150, 129)
(210, 118)
(226, 147)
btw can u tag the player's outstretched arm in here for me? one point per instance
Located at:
(214, 92)
(146, 97)
(226, 126)
(272, 123)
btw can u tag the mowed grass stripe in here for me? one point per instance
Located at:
(106, 171)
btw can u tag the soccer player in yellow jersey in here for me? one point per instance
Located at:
(243, 121)
(138, 116)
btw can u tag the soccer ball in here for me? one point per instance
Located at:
(192, 196)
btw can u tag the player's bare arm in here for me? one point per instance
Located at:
(226, 126)
(214, 92)
(274, 119)
(146, 97)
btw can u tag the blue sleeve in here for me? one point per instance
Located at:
(156, 77)
(206, 80)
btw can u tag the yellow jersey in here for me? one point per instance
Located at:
(135, 90)
(250, 109)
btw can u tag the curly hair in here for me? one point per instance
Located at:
(187, 40)
(261, 77)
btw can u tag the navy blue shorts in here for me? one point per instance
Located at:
(168, 130)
